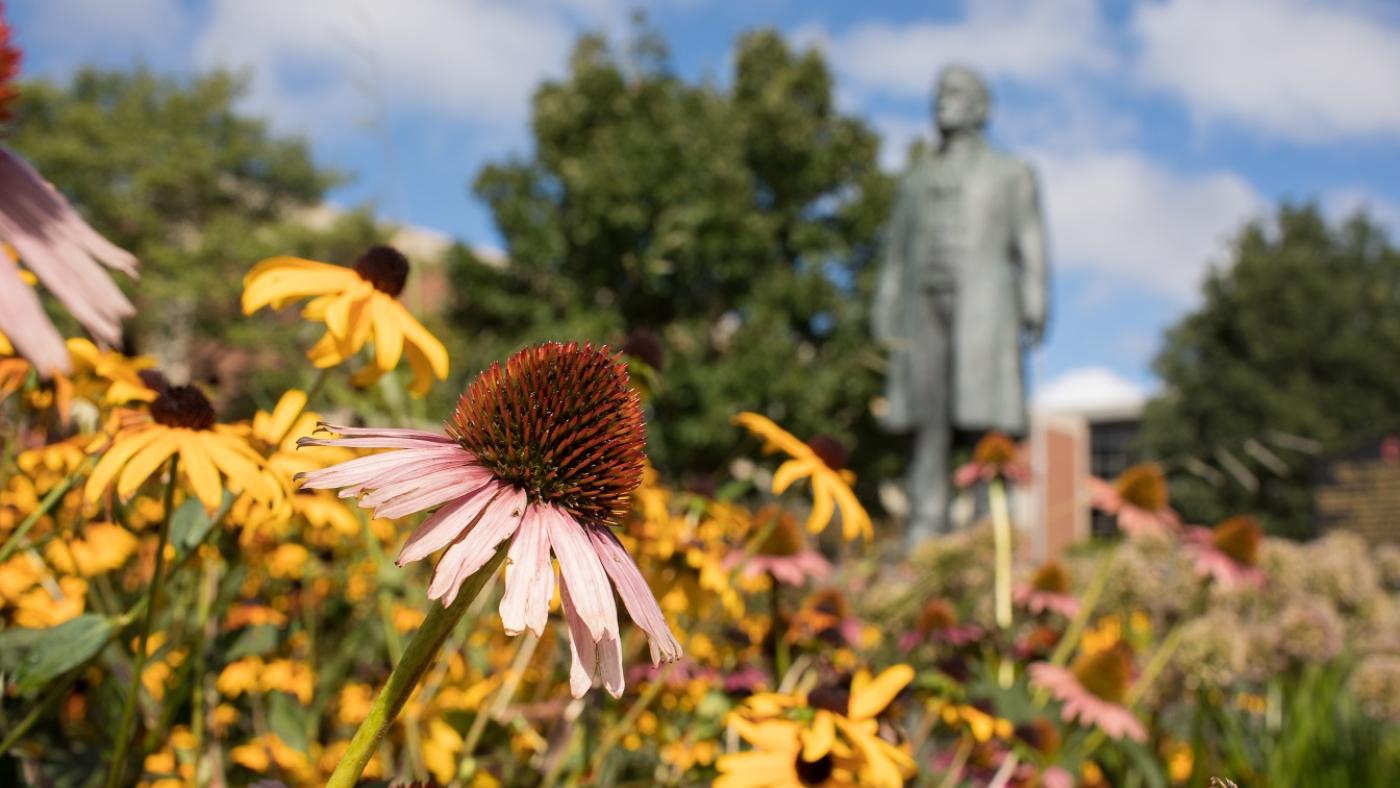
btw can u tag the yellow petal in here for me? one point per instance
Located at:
(227, 452)
(326, 352)
(872, 698)
(822, 503)
(281, 279)
(430, 346)
(200, 470)
(146, 462)
(273, 427)
(855, 521)
(817, 740)
(771, 433)
(769, 734)
(125, 445)
(388, 331)
(789, 472)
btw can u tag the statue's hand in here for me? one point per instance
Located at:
(1033, 333)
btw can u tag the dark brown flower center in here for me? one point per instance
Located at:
(835, 698)
(831, 451)
(384, 267)
(1040, 734)
(1051, 577)
(785, 538)
(1239, 537)
(183, 406)
(814, 772)
(645, 345)
(938, 614)
(560, 422)
(1105, 673)
(832, 603)
(994, 449)
(1144, 486)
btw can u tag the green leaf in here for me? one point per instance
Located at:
(253, 642)
(34, 657)
(289, 720)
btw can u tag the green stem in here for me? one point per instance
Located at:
(138, 663)
(525, 650)
(53, 497)
(1001, 534)
(1086, 610)
(417, 658)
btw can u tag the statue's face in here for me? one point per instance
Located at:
(961, 103)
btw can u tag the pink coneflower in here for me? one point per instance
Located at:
(1092, 690)
(783, 553)
(1229, 552)
(545, 452)
(1138, 498)
(57, 246)
(1048, 590)
(995, 455)
(938, 623)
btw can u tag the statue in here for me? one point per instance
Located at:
(962, 293)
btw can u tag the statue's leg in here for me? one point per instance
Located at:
(929, 481)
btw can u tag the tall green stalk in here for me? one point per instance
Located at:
(1001, 534)
(138, 662)
(418, 656)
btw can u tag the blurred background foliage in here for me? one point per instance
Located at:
(723, 234)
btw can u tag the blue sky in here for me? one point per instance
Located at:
(1156, 127)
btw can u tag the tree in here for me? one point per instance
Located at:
(731, 229)
(199, 192)
(1297, 338)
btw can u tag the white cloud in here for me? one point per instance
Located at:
(319, 64)
(1121, 213)
(1299, 70)
(1343, 203)
(1088, 389)
(1033, 42)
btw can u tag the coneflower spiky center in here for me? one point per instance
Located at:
(937, 614)
(384, 267)
(185, 407)
(9, 68)
(1051, 577)
(1239, 537)
(1144, 486)
(560, 422)
(994, 449)
(1105, 673)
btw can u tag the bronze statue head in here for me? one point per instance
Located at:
(961, 102)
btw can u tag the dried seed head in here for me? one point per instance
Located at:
(1105, 673)
(1239, 537)
(1144, 486)
(384, 267)
(561, 423)
(183, 406)
(1051, 577)
(994, 449)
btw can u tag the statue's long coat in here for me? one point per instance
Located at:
(969, 224)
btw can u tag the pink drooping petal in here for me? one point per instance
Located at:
(385, 432)
(784, 570)
(636, 595)
(610, 664)
(62, 250)
(529, 576)
(967, 475)
(447, 524)
(377, 442)
(23, 320)
(583, 653)
(424, 463)
(474, 548)
(434, 490)
(1104, 496)
(579, 565)
(369, 470)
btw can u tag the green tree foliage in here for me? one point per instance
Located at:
(199, 192)
(735, 226)
(1297, 335)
